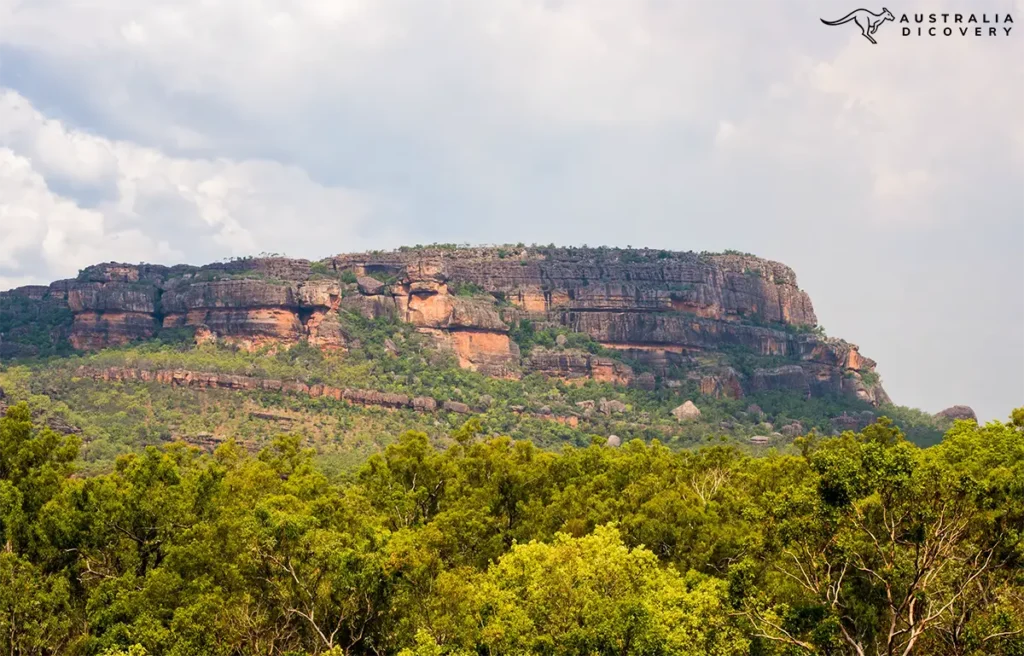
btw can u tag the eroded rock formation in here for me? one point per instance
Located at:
(574, 365)
(666, 311)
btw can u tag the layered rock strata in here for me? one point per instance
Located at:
(666, 311)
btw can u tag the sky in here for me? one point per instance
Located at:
(889, 176)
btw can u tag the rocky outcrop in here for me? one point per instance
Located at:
(720, 383)
(370, 286)
(471, 328)
(686, 412)
(793, 429)
(667, 311)
(611, 406)
(574, 365)
(539, 280)
(210, 380)
(789, 377)
(660, 308)
(958, 412)
(359, 397)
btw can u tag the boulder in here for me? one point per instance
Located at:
(455, 406)
(424, 404)
(792, 430)
(958, 412)
(613, 441)
(686, 412)
(612, 406)
(370, 286)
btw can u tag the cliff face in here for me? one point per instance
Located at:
(667, 312)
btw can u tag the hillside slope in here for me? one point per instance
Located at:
(554, 344)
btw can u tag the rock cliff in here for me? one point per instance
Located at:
(671, 314)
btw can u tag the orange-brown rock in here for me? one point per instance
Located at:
(492, 353)
(111, 313)
(665, 310)
(95, 330)
(723, 383)
(470, 327)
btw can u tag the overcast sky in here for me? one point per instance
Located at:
(889, 176)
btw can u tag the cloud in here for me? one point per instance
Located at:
(887, 175)
(150, 207)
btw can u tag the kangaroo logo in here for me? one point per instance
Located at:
(867, 21)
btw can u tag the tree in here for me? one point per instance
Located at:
(34, 461)
(592, 595)
(881, 554)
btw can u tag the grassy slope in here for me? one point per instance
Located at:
(116, 417)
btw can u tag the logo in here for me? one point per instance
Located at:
(867, 21)
(939, 24)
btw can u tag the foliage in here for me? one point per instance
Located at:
(465, 288)
(920, 427)
(388, 355)
(526, 336)
(870, 378)
(804, 329)
(858, 544)
(41, 326)
(747, 362)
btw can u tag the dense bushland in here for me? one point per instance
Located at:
(858, 544)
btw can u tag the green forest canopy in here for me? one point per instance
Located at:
(859, 544)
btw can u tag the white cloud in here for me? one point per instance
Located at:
(152, 207)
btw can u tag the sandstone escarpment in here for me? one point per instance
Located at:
(675, 315)
(664, 310)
